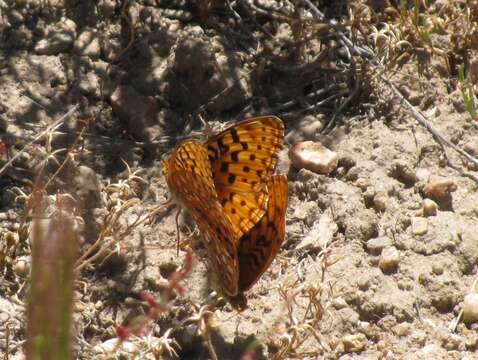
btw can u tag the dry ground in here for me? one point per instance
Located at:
(137, 75)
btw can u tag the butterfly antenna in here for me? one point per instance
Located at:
(207, 128)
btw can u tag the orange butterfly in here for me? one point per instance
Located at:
(227, 185)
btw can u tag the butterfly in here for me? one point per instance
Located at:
(227, 185)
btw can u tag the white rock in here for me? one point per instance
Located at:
(314, 157)
(429, 207)
(419, 226)
(389, 259)
(470, 308)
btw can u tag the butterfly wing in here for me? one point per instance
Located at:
(189, 178)
(258, 248)
(190, 156)
(243, 158)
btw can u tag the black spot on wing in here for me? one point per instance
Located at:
(223, 148)
(272, 225)
(235, 137)
(262, 241)
(246, 238)
(225, 167)
(214, 150)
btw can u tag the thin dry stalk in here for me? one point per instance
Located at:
(38, 137)
(50, 300)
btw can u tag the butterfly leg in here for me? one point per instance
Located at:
(177, 230)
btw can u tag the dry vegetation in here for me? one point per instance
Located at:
(81, 140)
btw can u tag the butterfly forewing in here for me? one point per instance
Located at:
(258, 247)
(189, 178)
(191, 156)
(243, 158)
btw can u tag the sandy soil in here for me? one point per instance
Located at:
(367, 270)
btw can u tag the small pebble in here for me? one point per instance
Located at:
(471, 343)
(314, 157)
(437, 268)
(389, 259)
(368, 196)
(376, 245)
(339, 303)
(380, 202)
(402, 171)
(99, 305)
(471, 148)
(402, 329)
(21, 267)
(429, 207)
(362, 183)
(419, 226)
(354, 343)
(79, 306)
(440, 188)
(470, 308)
(346, 161)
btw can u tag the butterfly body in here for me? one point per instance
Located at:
(228, 186)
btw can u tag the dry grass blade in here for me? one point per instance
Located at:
(39, 136)
(50, 301)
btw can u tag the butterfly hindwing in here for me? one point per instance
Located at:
(258, 248)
